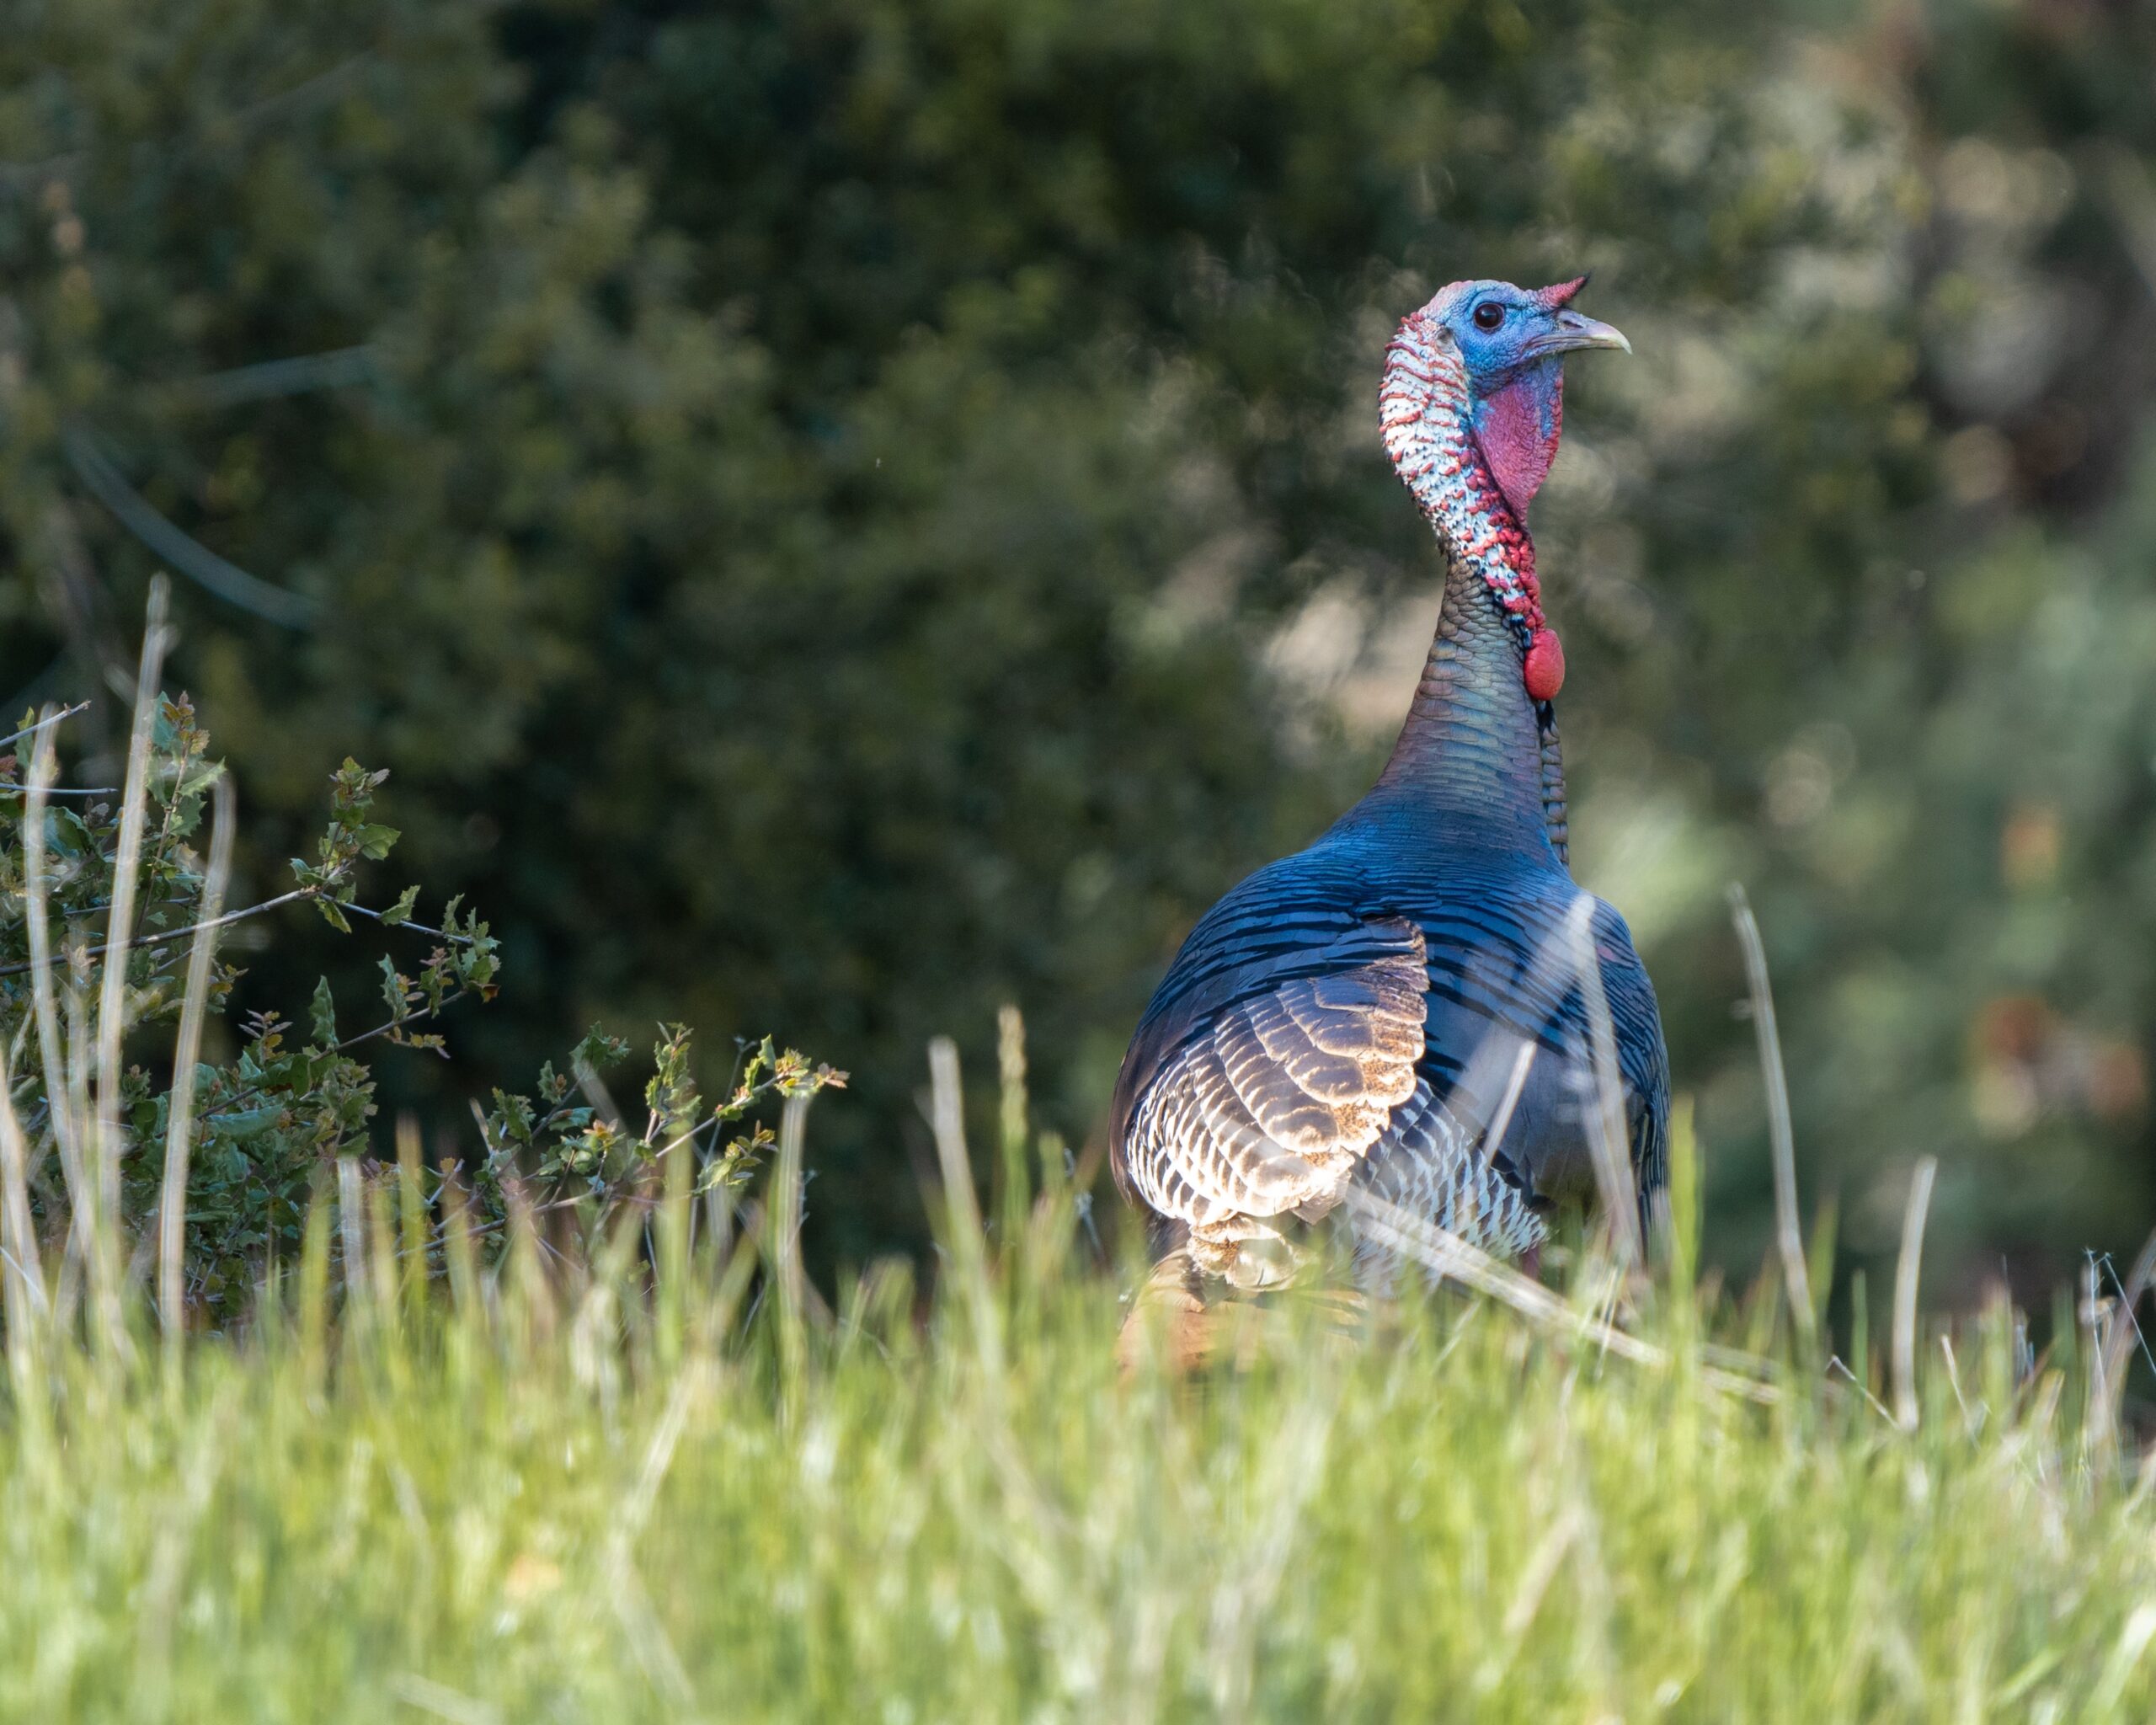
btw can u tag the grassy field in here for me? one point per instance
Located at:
(618, 1469)
(563, 1493)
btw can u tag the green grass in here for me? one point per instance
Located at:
(564, 1498)
(624, 1473)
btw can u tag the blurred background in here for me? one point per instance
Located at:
(839, 514)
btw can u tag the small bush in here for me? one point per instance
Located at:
(262, 1129)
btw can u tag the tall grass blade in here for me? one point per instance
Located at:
(414, 1250)
(179, 1128)
(1609, 1142)
(106, 1239)
(2123, 1331)
(52, 1048)
(961, 1205)
(1781, 1138)
(784, 1208)
(1905, 1293)
(27, 1304)
(1010, 1074)
(457, 1249)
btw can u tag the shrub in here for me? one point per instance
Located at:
(105, 892)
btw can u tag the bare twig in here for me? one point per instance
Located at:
(1905, 1293)
(19, 176)
(268, 380)
(188, 555)
(422, 1015)
(1789, 1234)
(169, 936)
(462, 940)
(45, 723)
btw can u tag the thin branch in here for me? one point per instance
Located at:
(462, 940)
(177, 934)
(19, 176)
(268, 380)
(424, 1015)
(216, 574)
(50, 718)
(169, 937)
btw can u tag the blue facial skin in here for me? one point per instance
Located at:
(1513, 341)
(1502, 328)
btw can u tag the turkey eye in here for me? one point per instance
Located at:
(1489, 315)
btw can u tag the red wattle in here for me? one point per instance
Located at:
(1545, 664)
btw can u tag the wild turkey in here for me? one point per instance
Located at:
(1394, 1016)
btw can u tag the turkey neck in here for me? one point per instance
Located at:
(1478, 759)
(1473, 757)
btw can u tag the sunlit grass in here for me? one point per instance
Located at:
(628, 1469)
(532, 1504)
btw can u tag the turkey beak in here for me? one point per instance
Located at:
(1571, 331)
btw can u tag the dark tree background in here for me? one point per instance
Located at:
(841, 513)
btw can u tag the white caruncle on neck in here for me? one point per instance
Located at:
(1475, 761)
(1423, 413)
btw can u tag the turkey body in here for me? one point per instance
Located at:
(1399, 1018)
(1350, 1017)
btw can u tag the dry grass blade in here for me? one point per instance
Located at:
(26, 1298)
(351, 1220)
(969, 1246)
(112, 1019)
(1905, 1293)
(2124, 1329)
(120, 927)
(172, 1205)
(1447, 1256)
(948, 1121)
(785, 1215)
(1515, 1085)
(44, 996)
(1608, 1140)
(1789, 1234)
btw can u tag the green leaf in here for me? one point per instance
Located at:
(395, 991)
(334, 916)
(376, 841)
(252, 1124)
(401, 911)
(321, 1017)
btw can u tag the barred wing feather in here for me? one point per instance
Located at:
(1268, 1105)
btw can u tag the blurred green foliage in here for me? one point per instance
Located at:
(840, 513)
